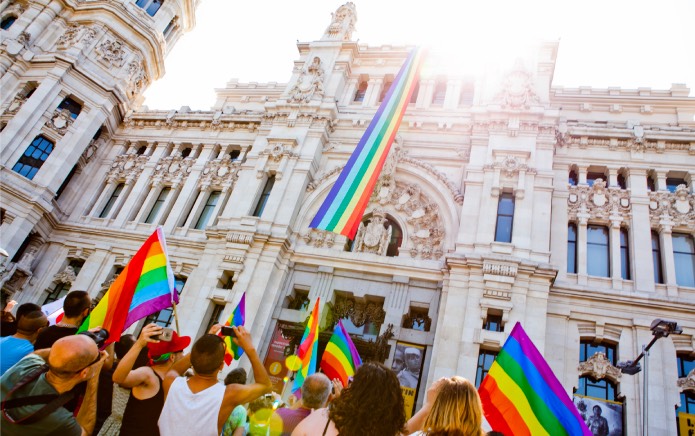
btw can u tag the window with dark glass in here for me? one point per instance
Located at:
(572, 248)
(217, 310)
(361, 91)
(417, 318)
(66, 182)
(396, 238)
(234, 155)
(34, 157)
(686, 364)
(165, 317)
(157, 206)
(112, 200)
(209, 208)
(656, 258)
(169, 28)
(439, 93)
(141, 150)
(493, 321)
(684, 259)
(385, 89)
(72, 106)
(597, 251)
(186, 152)
(651, 185)
(299, 300)
(673, 182)
(589, 387)
(150, 6)
(61, 289)
(264, 196)
(573, 178)
(622, 181)
(416, 90)
(485, 360)
(624, 255)
(591, 177)
(364, 325)
(505, 218)
(7, 22)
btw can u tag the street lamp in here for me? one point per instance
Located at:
(660, 329)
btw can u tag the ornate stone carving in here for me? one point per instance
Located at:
(687, 383)
(127, 167)
(359, 312)
(74, 34)
(240, 238)
(322, 178)
(60, 121)
(500, 269)
(219, 174)
(276, 150)
(510, 166)
(309, 83)
(91, 150)
(342, 23)
(598, 201)
(66, 276)
(171, 170)
(16, 104)
(111, 53)
(677, 207)
(599, 367)
(518, 89)
(23, 39)
(137, 78)
(27, 259)
(375, 236)
(319, 238)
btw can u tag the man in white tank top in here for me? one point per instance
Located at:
(200, 405)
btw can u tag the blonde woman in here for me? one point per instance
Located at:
(453, 409)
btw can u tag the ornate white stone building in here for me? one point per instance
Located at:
(504, 199)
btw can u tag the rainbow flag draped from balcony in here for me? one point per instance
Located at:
(308, 349)
(236, 319)
(340, 359)
(144, 287)
(521, 395)
(342, 210)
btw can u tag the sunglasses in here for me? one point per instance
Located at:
(98, 358)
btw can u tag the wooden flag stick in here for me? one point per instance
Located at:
(176, 318)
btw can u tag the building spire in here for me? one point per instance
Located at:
(342, 24)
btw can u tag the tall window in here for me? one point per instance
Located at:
(684, 259)
(493, 321)
(34, 156)
(150, 6)
(217, 310)
(573, 178)
(656, 258)
(112, 200)
(622, 181)
(591, 177)
(572, 248)
(157, 206)
(66, 182)
(7, 22)
(687, 402)
(439, 93)
(61, 289)
(597, 252)
(396, 238)
(264, 196)
(72, 106)
(361, 91)
(624, 255)
(165, 317)
(209, 208)
(385, 88)
(485, 360)
(651, 185)
(505, 218)
(416, 91)
(603, 389)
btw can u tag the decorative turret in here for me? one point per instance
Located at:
(342, 24)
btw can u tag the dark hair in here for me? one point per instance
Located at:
(75, 302)
(32, 322)
(207, 354)
(371, 405)
(236, 376)
(123, 345)
(25, 308)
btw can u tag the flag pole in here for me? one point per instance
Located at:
(176, 318)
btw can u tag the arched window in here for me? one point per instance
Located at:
(34, 157)
(396, 238)
(7, 22)
(573, 178)
(150, 6)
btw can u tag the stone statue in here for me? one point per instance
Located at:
(375, 236)
(309, 83)
(343, 23)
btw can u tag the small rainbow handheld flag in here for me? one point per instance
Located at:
(522, 396)
(340, 359)
(342, 210)
(236, 319)
(145, 286)
(308, 348)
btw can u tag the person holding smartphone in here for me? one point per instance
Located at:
(147, 396)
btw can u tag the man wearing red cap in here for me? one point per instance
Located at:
(146, 395)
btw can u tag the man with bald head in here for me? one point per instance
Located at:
(315, 391)
(71, 360)
(13, 348)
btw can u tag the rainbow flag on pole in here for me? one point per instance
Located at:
(145, 286)
(236, 319)
(308, 349)
(521, 395)
(340, 359)
(342, 210)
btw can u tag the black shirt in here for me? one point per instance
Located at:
(50, 335)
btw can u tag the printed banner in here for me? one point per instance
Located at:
(686, 424)
(274, 363)
(407, 364)
(603, 417)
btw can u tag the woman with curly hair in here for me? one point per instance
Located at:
(371, 405)
(453, 409)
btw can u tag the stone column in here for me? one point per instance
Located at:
(395, 305)
(322, 287)
(424, 98)
(667, 260)
(141, 187)
(582, 222)
(349, 92)
(42, 20)
(195, 209)
(152, 194)
(453, 93)
(127, 188)
(558, 223)
(661, 180)
(615, 258)
(612, 176)
(641, 241)
(582, 170)
(373, 91)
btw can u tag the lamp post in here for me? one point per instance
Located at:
(660, 329)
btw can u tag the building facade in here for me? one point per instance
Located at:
(503, 200)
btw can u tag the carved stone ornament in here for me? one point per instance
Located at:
(172, 170)
(687, 383)
(16, 104)
(137, 78)
(27, 260)
(127, 167)
(510, 166)
(343, 23)
(319, 238)
(500, 269)
(599, 367)
(359, 312)
(374, 237)
(219, 174)
(111, 53)
(66, 276)
(518, 89)
(23, 39)
(75, 33)
(309, 83)
(677, 207)
(91, 150)
(60, 121)
(598, 201)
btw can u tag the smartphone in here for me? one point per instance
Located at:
(167, 335)
(228, 331)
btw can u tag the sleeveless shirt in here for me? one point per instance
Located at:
(140, 416)
(186, 413)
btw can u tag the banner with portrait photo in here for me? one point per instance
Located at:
(602, 417)
(278, 350)
(407, 363)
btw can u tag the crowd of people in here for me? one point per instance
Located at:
(57, 382)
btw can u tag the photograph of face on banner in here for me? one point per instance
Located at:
(407, 365)
(603, 417)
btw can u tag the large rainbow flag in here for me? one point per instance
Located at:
(340, 358)
(236, 319)
(342, 210)
(145, 286)
(308, 349)
(521, 395)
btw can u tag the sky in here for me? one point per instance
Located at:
(604, 43)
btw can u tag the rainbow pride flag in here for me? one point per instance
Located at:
(308, 349)
(145, 286)
(236, 319)
(342, 210)
(521, 395)
(340, 358)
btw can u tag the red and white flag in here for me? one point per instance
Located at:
(53, 311)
